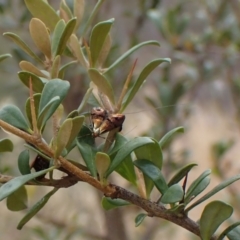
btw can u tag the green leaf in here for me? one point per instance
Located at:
(76, 127)
(129, 52)
(102, 83)
(139, 219)
(173, 194)
(55, 66)
(67, 32)
(4, 56)
(197, 186)
(42, 10)
(181, 173)
(228, 230)
(23, 162)
(13, 116)
(6, 145)
(97, 38)
(35, 209)
(55, 87)
(234, 234)
(37, 82)
(153, 172)
(86, 146)
(64, 67)
(143, 75)
(215, 190)
(57, 34)
(213, 215)
(153, 153)
(67, 13)
(167, 137)
(14, 184)
(23, 46)
(126, 170)
(120, 141)
(127, 149)
(36, 98)
(108, 203)
(52, 90)
(47, 111)
(29, 67)
(17, 201)
(102, 163)
(63, 136)
(77, 51)
(40, 36)
(78, 11)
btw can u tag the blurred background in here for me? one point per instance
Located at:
(199, 90)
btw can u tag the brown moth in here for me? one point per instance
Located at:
(104, 122)
(98, 115)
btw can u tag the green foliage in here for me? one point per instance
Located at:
(6, 145)
(213, 215)
(12, 115)
(139, 219)
(17, 201)
(108, 203)
(36, 208)
(57, 36)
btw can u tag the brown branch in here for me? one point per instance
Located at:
(153, 209)
(65, 182)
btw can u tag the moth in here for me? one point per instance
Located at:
(105, 121)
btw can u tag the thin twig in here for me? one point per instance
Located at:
(153, 209)
(32, 107)
(65, 182)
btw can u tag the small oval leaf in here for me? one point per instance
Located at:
(213, 215)
(201, 185)
(23, 162)
(173, 194)
(153, 153)
(153, 172)
(77, 125)
(167, 137)
(67, 32)
(63, 136)
(139, 219)
(102, 83)
(5, 56)
(42, 10)
(29, 67)
(40, 36)
(228, 230)
(109, 203)
(13, 116)
(127, 149)
(14, 184)
(35, 209)
(102, 163)
(23, 46)
(77, 51)
(47, 112)
(129, 52)
(140, 80)
(6, 145)
(53, 88)
(181, 173)
(97, 38)
(17, 201)
(37, 82)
